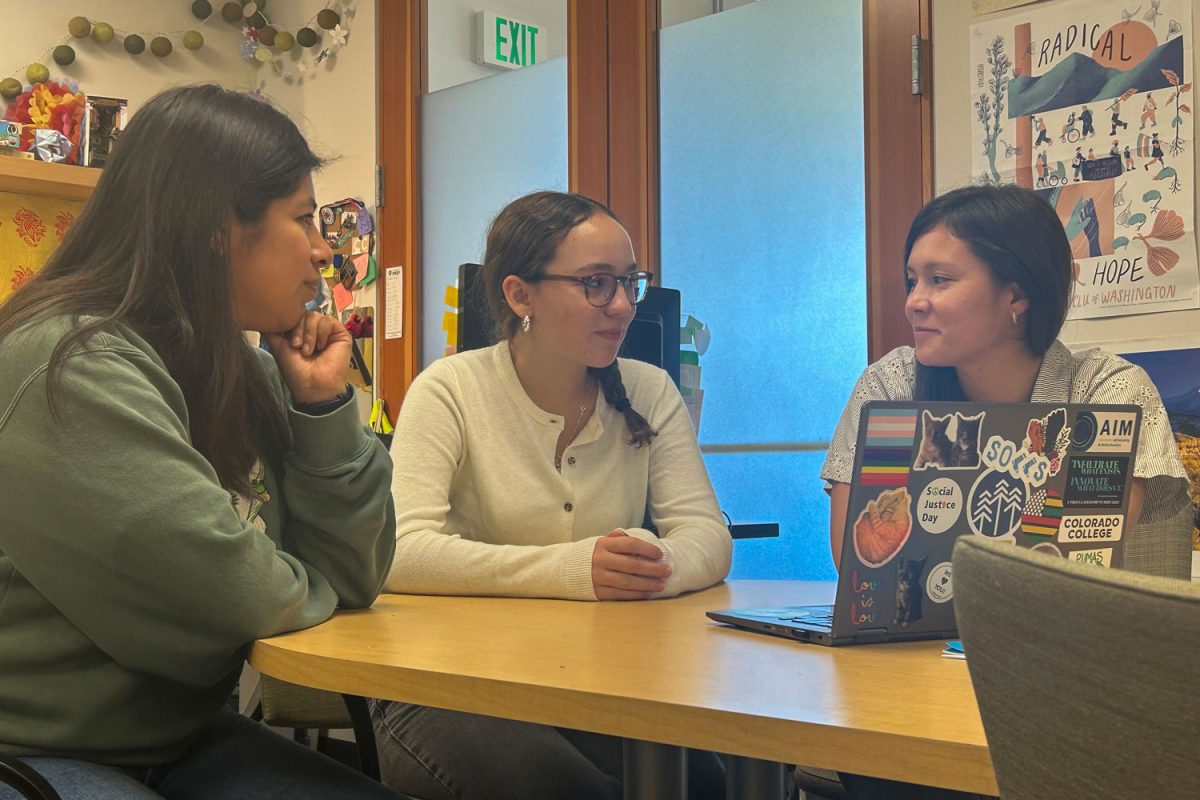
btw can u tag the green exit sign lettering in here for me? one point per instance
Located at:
(505, 42)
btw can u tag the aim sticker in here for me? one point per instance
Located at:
(1103, 432)
(1101, 557)
(1091, 528)
(940, 584)
(995, 505)
(1004, 456)
(1096, 481)
(1042, 512)
(1048, 437)
(939, 505)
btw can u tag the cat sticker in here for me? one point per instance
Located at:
(949, 442)
(909, 589)
(883, 527)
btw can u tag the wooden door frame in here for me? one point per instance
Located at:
(612, 74)
(401, 80)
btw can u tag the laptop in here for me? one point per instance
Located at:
(1053, 477)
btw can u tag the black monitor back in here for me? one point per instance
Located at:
(653, 335)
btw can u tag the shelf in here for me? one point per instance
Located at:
(22, 176)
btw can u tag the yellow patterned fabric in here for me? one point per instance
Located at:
(30, 229)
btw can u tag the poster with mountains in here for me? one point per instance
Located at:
(1090, 103)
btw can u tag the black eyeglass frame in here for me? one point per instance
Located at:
(629, 280)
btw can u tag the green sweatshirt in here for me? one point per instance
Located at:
(130, 586)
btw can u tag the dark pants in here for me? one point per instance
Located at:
(234, 758)
(449, 755)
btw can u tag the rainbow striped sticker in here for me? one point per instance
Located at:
(1043, 513)
(887, 456)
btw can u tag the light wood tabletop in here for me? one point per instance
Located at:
(659, 671)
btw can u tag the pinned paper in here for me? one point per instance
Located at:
(450, 326)
(451, 298)
(360, 268)
(342, 297)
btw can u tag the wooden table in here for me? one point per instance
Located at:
(659, 671)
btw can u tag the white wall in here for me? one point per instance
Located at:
(333, 104)
(451, 36)
(677, 11)
(952, 164)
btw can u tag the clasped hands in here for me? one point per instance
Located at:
(625, 567)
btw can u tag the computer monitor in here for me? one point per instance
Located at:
(653, 335)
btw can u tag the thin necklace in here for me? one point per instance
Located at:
(575, 430)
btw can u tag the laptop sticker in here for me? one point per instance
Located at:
(1043, 512)
(995, 504)
(1096, 481)
(883, 527)
(1087, 528)
(909, 590)
(940, 585)
(862, 609)
(940, 505)
(1103, 432)
(889, 441)
(1030, 467)
(1101, 557)
(1048, 437)
(1047, 547)
(949, 442)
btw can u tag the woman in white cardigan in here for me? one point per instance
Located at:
(530, 469)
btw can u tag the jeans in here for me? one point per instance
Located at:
(435, 754)
(233, 758)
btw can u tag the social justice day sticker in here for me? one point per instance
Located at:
(1103, 432)
(940, 584)
(1091, 528)
(1096, 481)
(940, 505)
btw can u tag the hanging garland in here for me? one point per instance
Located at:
(264, 42)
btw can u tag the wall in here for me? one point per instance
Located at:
(451, 36)
(952, 160)
(333, 104)
(676, 11)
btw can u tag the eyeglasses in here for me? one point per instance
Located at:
(600, 289)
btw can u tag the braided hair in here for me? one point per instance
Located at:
(521, 241)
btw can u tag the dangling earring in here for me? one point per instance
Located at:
(1014, 315)
(525, 324)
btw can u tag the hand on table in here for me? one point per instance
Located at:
(627, 568)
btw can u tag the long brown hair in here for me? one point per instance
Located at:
(521, 241)
(149, 251)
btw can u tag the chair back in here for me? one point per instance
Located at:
(1087, 679)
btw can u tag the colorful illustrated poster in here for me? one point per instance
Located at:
(1176, 375)
(30, 229)
(1092, 105)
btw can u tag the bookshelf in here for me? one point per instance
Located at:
(21, 176)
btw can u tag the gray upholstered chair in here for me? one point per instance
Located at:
(1088, 680)
(25, 780)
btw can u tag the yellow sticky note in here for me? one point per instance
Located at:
(452, 296)
(449, 321)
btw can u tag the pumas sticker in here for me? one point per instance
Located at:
(1103, 432)
(1101, 557)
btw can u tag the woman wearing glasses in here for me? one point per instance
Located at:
(528, 469)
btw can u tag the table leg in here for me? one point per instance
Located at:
(654, 771)
(751, 778)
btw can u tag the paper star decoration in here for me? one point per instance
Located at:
(338, 36)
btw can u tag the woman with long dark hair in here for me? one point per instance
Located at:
(528, 469)
(989, 271)
(174, 493)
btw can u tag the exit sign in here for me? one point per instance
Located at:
(505, 42)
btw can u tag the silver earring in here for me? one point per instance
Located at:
(525, 324)
(1015, 318)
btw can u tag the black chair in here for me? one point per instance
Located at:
(25, 779)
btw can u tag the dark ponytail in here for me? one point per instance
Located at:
(521, 241)
(609, 378)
